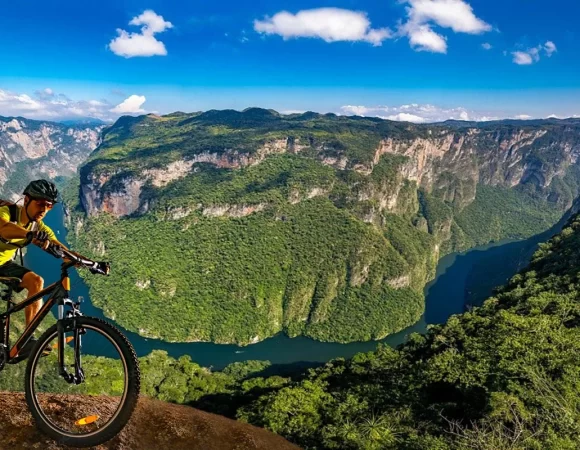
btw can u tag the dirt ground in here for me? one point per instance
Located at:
(154, 425)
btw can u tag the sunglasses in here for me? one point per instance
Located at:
(44, 204)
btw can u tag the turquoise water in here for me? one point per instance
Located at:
(462, 279)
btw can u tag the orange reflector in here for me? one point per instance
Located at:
(87, 420)
(66, 283)
(66, 341)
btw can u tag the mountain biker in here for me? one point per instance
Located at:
(39, 198)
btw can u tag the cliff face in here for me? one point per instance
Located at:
(125, 198)
(31, 149)
(448, 162)
(309, 223)
(488, 156)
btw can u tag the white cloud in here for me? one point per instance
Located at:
(56, 106)
(329, 24)
(464, 115)
(417, 113)
(152, 23)
(423, 38)
(292, 111)
(550, 48)
(131, 105)
(522, 58)
(359, 110)
(144, 43)
(532, 55)
(487, 46)
(405, 117)
(335, 24)
(134, 44)
(423, 15)
(15, 104)
(427, 113)
(454, 14)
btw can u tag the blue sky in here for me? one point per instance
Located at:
(418, 60)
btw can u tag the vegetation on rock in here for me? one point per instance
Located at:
(238, 225)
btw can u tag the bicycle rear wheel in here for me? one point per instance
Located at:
(95, 410)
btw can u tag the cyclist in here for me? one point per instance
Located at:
(39, 198)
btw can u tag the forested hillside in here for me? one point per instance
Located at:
(505, 375)
(237, 225)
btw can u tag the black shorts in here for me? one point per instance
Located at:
(11, 269)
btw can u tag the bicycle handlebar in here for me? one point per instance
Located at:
(96, 267)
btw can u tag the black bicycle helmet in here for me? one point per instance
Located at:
(42, 189)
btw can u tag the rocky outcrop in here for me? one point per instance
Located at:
(295, 196)
(154, 425)
(125, 197)
(453, 162)
(30, 149)
(173, 171)
(232, 210)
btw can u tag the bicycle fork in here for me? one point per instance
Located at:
(67, 324)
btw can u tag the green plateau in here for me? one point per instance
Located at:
(234, 226)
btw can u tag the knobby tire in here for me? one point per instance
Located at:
(125, 410)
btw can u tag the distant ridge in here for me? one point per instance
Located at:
(87, 121)
(262, 114)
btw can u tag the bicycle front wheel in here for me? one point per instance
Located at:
(99, 406)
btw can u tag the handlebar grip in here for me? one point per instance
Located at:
(54, 250)
(101, 267)
(96, 267)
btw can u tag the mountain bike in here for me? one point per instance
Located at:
(82, 378)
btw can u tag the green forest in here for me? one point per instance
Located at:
(308, 268)
(505, 375)
(239, 252)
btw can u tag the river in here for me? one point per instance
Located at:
(462, 279)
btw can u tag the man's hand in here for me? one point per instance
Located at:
(102, 268)
(54, 249)
(40, 238)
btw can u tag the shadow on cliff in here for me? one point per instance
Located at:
(226, 404)
(477, 274)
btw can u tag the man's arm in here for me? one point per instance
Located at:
(51, 236)
(9, 230)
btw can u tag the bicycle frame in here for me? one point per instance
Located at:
(59, 296)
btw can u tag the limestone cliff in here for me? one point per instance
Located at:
(446, 161)
(31, 149)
